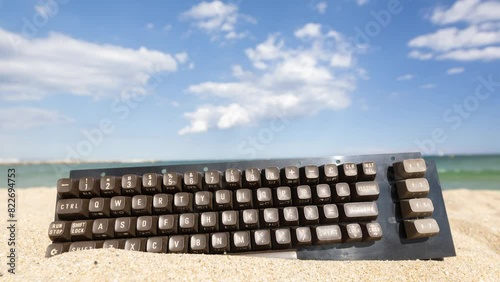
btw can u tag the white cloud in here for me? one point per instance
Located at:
(167, 27)
(485, 54)
(361, 2)
(310, 30)
(405, 77)
(453, 38)
(28, 117)
(182, 57)
(321, 7)
(477, 41)
(285, 81)
(150, 26)
(455, 70)
(428, 86)
(58, 64)
(218, 19)
(471, 11)
(420, 55)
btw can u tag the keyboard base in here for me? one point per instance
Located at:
(392, 246)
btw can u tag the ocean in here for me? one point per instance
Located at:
(471, 171)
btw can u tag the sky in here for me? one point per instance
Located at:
(178, 80)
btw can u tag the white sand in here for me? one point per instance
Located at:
(474, 217)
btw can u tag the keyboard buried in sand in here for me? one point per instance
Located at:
(371, 207)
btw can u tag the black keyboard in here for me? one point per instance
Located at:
(383, 207)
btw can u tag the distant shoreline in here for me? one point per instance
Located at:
(137, 161)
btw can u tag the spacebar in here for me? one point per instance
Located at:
(277, 254)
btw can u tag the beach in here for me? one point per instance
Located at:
(474, 217)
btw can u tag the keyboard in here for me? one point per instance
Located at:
(365, 207)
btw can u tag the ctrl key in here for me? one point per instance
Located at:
(56, 249)
(421, 228)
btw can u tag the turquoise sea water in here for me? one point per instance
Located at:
(472, 172)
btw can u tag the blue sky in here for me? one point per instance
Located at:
(126, 80)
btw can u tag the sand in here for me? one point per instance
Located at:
(474, 217)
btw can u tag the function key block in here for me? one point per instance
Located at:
(371, 207)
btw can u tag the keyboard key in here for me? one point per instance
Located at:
(209, 221)
(183, 202)
(367, 171)
(125, 226)
(198, 244)
(142, 205)
(147, 225)
(270, 217)
(301, 236)
(365, 191)
(249, 219)
(193, 181)
(213, 180)
(303, 195)
(410, 168)
(67, 188)
(72, 208)
(136, 244)
(188, 223)
(131, 184)
(342, 193)
(219, 242)
(110, 186)
(85, 245)
(89, 187)
(309, 215)
(103, 228)
(56, 249)
(264, 198)
(99, 207)
(290, 176)
(283, 196)
(114, 244)
(203, 201)
(232, 178)
(416, 208)
(309, 175)
(167, 224)
(163, 203)
(261, 239)
(178, 244)
(241, 241)
(348, 172)
(327, 234)
(59, 231)
(172, 182)
(244, 198)
(351, 232)
(358, 211)
(329, 173)
(271, 177)
(157, 244)
(329, 213)
(322, 194)
(282, 238)
(413, 188)
(151, 183)
(121, 206)
(223, 199)
(372, 231)
(81, 230)
(290, 216)
(252, 178)
(421, 228)
(229, 220)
